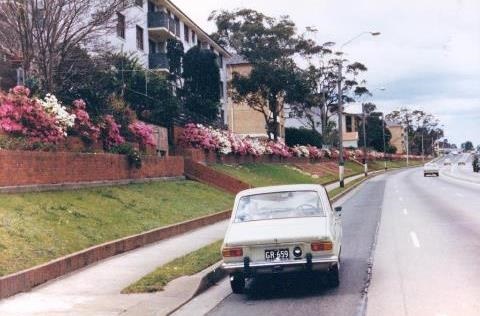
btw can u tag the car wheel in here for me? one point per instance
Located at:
(237, 282)
(333, 276)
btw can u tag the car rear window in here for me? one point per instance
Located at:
(279, 205)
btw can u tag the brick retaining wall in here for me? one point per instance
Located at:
(19, 168)
(202, 173)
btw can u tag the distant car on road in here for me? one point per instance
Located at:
(461, 163)
(447, 162)
(282, 229)
(431, 169)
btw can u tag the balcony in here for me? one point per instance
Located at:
(160, 25)
(158, 61)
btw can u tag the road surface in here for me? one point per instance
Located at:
(426, 261)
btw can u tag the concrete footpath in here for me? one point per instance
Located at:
(95, 290)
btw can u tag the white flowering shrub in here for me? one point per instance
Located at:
(53, 107)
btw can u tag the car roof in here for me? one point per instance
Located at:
(282, 188)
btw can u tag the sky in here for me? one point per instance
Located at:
(427, 56)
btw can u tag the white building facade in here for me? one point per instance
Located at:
(144, 29)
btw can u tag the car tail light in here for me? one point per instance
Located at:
(232, 252)
(322, 246)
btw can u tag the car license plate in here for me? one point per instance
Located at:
(277, 254)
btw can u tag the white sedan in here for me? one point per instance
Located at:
(281, 229)
(431, 169)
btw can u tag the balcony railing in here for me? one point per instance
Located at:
(161, 19)
(158, 61)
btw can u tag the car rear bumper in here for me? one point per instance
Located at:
(304, 264)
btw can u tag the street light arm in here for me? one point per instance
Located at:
(357, 36)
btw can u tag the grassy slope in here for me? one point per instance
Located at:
(187, 265)
(38, 227)
(274, 174)
(269, 174)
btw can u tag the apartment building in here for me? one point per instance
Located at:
(351, 126)
(242, 119)
(144, 29)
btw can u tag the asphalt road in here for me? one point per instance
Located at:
(426, 261)
(296, 295)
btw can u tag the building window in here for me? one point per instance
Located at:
(186, 33)
(177, 26)
(221, 90)
(348, 124)
(120, 25)
(139, 38)
(139, 3)
(220, 61)
(194, 37)
(152, 47)
(151, 6)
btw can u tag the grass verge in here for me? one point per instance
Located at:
(38, 227)
(337, 191)
(189, 264)
(259, 175)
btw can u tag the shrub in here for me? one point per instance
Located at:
(83, 126)
(23, 116)
(133, 155)
(142, 133)
(111, 132)
(302, 136)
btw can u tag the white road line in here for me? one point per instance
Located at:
(414, 238)
(405, 211)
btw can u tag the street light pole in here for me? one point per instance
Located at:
(365, 162)
(341, 163)
(384, 146)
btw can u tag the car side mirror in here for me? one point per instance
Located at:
(338, 210)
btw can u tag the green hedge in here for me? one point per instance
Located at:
(302, 136)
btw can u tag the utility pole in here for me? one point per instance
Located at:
(423, 153)
(365, 162)
(408, 149)
(341, 163)
(384, 146)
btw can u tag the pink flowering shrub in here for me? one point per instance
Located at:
(21, 115)
(278, 149)
(83, 125)
(111, 132)
(142, 133)
(224, 142)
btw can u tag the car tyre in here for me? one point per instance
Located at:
(237, 283)
(333, 276)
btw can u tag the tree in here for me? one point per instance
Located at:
(175, 54)
(322, 101)
(115, 79)
(467, 146)
(422, 129)
(270, 45)
(201, 76)
(47, 33)
(374, 134)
